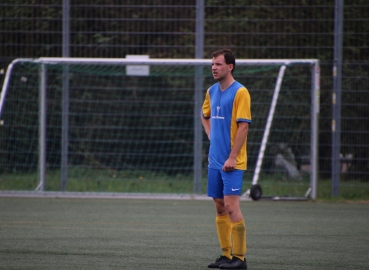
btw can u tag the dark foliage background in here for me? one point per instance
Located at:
(252, 29)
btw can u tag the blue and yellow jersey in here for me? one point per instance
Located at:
(225, 109)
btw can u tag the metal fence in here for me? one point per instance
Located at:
(252, 29)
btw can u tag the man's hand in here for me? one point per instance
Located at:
(240, 139)
(229, 165)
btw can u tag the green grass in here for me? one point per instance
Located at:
(64, 233)
(84, 180)
(103, 181)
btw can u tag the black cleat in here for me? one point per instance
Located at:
(220, 260)
(236, 263)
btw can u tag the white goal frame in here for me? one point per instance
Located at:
(282, 63)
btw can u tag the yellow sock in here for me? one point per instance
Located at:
(223, 224)
(239, 239)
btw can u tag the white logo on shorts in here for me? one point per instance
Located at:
(235, 189)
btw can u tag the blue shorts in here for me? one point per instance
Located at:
(222, 183)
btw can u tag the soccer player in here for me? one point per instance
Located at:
(226, 117)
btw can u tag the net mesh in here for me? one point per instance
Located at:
(136, 133)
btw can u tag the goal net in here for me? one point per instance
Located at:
(132, 125)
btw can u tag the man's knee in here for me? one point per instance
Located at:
(220, 207)
(232, 206)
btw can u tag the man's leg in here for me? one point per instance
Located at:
(238, 232)
(224, 228)
(222, 221)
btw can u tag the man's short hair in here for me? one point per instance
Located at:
(228, 57)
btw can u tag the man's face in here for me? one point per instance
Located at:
(219, 68)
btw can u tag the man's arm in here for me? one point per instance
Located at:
(206, 125)
(243, 129)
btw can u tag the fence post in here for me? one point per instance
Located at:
(65, 98)
(336, 99)
(199, 81)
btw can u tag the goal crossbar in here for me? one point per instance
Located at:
(179, 61)
(133, 61)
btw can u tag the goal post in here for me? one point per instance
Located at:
(127, 130)
(264, 141)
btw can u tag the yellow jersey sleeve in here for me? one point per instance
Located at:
(242, 106)
(206, 106)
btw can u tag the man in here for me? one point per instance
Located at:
(226, 117)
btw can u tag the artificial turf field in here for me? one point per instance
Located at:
(69, 233)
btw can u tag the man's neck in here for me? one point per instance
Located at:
(226, 82)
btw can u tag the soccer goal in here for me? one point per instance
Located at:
(132, 125)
